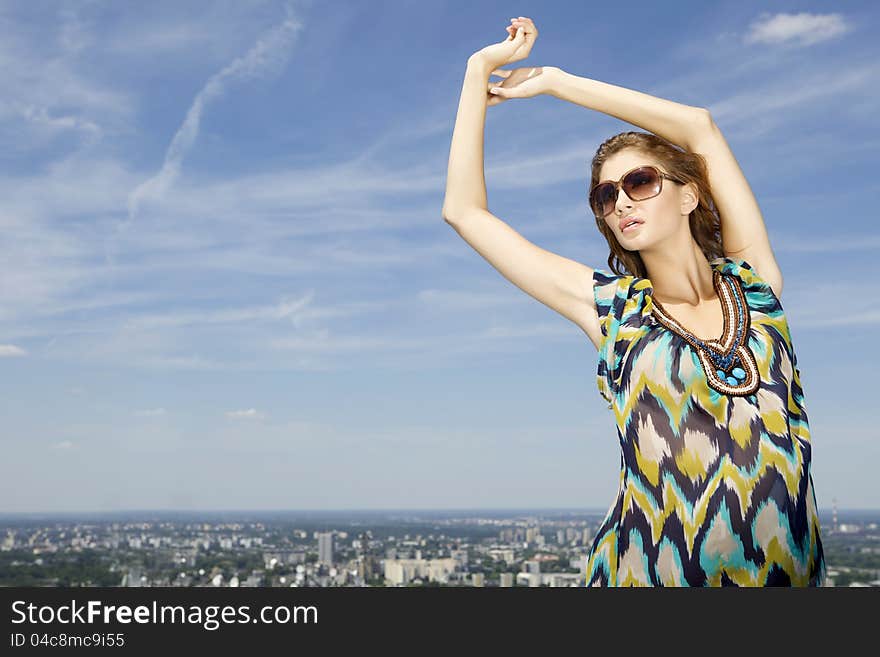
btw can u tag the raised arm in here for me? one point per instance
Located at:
(558, 282)
(743, 232)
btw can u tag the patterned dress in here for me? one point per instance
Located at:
(715, 483)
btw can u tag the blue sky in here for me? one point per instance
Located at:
(226, 282)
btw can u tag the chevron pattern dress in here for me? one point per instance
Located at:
(715, 484)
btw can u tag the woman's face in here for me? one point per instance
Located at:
(660, 216)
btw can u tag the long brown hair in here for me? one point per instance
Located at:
(684, 166)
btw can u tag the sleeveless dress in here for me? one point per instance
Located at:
(715, 483)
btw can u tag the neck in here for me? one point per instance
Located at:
(680, 275)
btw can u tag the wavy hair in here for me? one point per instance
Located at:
(685, 167)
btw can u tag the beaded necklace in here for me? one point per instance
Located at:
(728, 362)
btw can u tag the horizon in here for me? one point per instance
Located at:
(450, 510)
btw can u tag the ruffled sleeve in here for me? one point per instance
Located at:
(760, 295)
(623, 304)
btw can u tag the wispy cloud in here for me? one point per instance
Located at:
(266, 57)
(458, 300)
(866, 319)
(803, 29)
(830, 244)
(772, 101)
(9, 350)
(288, 309)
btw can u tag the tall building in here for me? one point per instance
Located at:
(325, 548)
(588, 536)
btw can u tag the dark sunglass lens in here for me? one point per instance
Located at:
(642, 183)
(603, 198)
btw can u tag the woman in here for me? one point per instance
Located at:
(695, 355)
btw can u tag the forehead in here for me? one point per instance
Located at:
(621, 162)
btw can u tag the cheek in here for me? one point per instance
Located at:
(664, 213)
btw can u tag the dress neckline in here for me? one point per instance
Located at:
(667, 319)
(728, 361)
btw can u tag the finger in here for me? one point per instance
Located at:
(494, 99)
(527, 26)
(500, 72)
(519, 37)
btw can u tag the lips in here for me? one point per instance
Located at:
(623, 222)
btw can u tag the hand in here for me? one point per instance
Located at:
(520, 83)
(521, 35)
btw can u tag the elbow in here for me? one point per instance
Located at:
(459, 212)
(704, 118)
(450, 214)
(446, 214)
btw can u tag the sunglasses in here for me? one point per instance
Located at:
(639, 184)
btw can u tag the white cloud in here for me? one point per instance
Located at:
(802, 29)
(9, 350)
(249, 414)
(44, 93)
(64, 444)
(40, 115)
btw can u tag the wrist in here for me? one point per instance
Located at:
(477, 64)
(555, 76)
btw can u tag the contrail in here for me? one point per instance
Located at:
(267, 57)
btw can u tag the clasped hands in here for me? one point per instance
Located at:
(519, 82)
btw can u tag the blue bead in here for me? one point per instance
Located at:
(732, 381)
(720, 374)
(739, 373)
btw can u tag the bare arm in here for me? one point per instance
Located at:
(465, 180)
(743, 232)
(558, 282)
(675, 122)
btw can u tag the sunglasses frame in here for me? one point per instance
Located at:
(619, 184)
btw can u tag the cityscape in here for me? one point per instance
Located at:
(472, 548)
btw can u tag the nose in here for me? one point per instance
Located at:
(623, 201)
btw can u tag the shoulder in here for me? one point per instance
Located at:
(761, 266)
(755, 275)
(620, 299)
